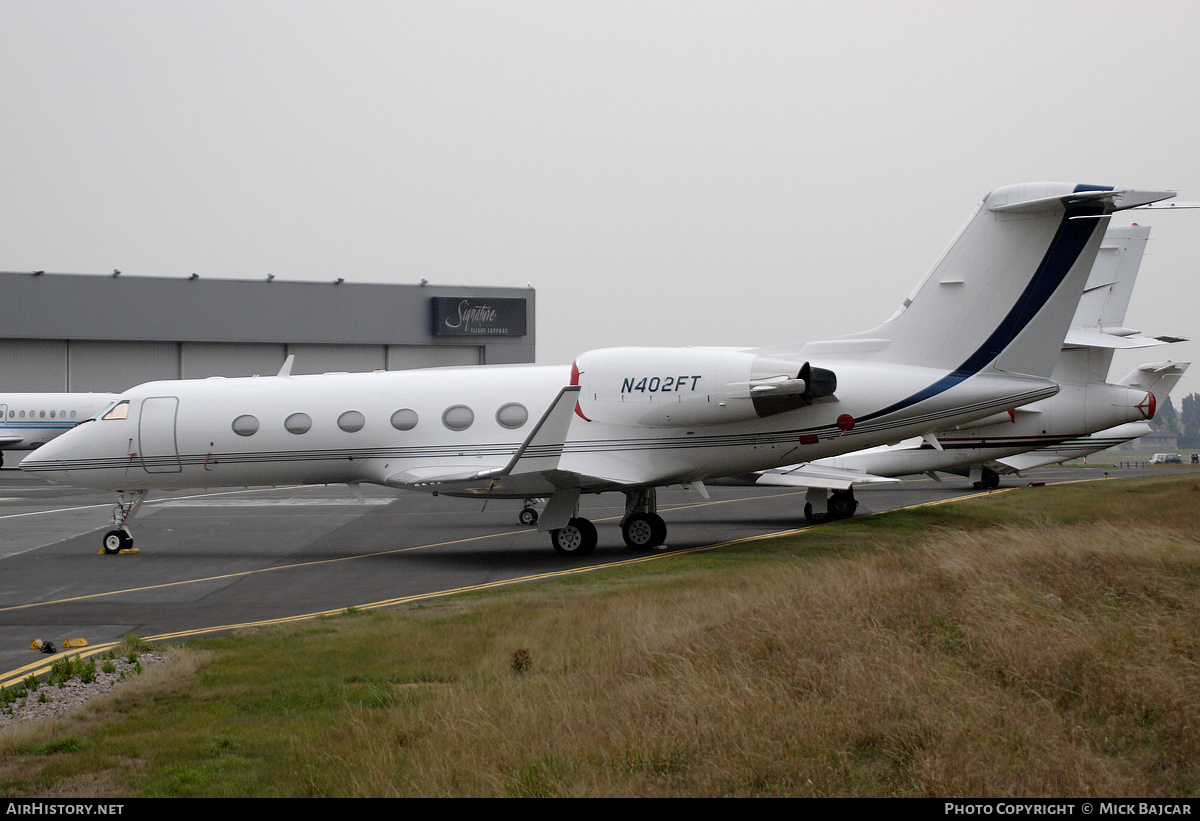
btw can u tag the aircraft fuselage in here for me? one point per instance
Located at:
(368, 427)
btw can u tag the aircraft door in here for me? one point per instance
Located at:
(156, 435)
(4, 415)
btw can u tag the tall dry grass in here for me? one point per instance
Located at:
(1033, 659)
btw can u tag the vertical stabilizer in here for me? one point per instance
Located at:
(1003, 295)
(1109, 287)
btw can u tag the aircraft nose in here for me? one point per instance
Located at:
(48, 460)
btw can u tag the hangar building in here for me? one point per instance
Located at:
(78, 333)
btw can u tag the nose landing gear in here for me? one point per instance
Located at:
(119, 539)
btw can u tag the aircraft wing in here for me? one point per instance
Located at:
(5, 441)
(1071, 448)
(1028, 461)
(819, 476)
(465, 482)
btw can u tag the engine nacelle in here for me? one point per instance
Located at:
(661, 387)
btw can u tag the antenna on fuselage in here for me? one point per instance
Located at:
(286, 370)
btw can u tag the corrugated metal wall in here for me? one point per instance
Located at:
(33, 365)
(81, 366)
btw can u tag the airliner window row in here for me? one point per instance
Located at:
(40, 414)
(456, 417)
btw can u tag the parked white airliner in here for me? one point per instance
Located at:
(29, 420)
(980, 335)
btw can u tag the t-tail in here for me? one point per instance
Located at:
(1157, 379)
(1003, 295)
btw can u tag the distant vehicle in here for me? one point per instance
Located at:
(1166, 459)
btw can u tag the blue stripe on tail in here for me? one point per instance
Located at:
(1068, 243)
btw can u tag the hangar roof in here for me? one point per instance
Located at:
(105, 307)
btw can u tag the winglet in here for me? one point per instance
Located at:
(542, 449)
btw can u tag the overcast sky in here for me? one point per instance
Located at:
(663, 173)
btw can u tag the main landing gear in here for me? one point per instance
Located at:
(129, 502)
(578, 538)
(641, 527)
(987, 479)
(841, 504)
(644, 531)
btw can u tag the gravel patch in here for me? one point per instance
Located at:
(74, 694)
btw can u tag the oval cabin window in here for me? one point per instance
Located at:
(512, 416)
(404, 419)
(298, 423)
(351, 421)
(458, 417)
(245, 425)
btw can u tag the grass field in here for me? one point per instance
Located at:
(1038, 642)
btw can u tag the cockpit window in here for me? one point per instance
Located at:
(118, 411)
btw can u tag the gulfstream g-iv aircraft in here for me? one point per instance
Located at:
(980, 335)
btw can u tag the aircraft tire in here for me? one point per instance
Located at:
(578, 538)
(813, 517)
(527, 516)
(842, 505)
(644, 531)
(117, 540)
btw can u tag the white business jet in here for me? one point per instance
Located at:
(979, 336)
(29, 420)
(986, 448)
(1072, 448)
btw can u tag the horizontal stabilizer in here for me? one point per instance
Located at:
(1121, 200)
(1158, 378)
(1097, 338)
(1163, 206)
